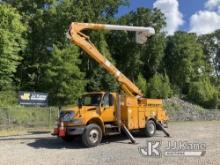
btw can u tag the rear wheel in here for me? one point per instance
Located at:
(92, 135)
(150, 128)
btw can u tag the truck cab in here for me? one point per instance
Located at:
(93, 108)
(100, 105)
(103, 103)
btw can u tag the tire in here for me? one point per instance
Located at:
(67, 138)
(150, 128)
(92, 135)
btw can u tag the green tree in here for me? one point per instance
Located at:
(48, 21)
(184, 59)
(142, 84)
(98, 78)
(37, 14)
(204, 93)
(63, 77)
(159, 87)
(12, 43)
(153, 55)
(211, 49)
(8, 97)
(132, 58)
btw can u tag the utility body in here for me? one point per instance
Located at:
(107, 113)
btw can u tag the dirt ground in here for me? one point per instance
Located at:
(44, 149)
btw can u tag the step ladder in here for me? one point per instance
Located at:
(112, 129)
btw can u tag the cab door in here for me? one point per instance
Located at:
(108, 108)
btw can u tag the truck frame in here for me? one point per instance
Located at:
(108, 113)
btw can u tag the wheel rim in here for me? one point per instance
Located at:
(94, 136)
(151, 129)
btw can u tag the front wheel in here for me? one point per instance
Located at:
(92, 135)
(150, 128)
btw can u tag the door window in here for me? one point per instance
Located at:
(108, 100)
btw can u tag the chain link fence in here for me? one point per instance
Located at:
(27, 117)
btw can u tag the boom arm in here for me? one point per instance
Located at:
(81, 40)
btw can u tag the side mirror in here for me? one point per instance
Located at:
(80, 103)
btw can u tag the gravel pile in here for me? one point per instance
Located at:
(182, 110)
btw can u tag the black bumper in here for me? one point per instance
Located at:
(75, 130)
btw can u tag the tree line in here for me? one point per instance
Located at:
(35, 54)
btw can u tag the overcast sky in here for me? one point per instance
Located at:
(200, 16)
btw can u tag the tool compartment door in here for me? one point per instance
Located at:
(132, 112)
(141, 116)
(133, 117)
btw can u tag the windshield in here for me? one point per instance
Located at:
(91, 99)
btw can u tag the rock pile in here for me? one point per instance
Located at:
(179, 109)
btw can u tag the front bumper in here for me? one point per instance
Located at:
(73, 130)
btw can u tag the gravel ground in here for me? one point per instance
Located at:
(44, 149)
